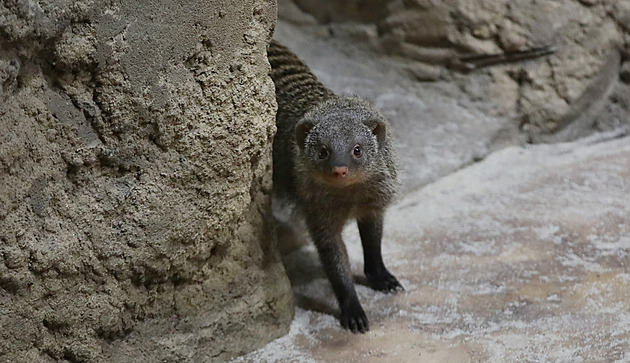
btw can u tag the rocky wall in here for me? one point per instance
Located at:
(135, 181)
(578, 89)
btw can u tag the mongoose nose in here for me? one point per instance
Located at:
(340, 171)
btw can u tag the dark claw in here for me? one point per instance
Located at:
(385, 282)
(353, 318)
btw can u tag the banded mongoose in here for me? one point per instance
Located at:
(333, 158)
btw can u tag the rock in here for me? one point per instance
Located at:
(289, 11)
(135, 182)
(327, 11)
(586, 35)
(424, 72)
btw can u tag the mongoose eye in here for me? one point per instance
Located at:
(357, 151)
(323, 153)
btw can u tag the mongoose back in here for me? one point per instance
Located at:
(333, 158)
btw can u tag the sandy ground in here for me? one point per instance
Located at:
(520, 257)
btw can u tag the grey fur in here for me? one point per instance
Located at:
(313, 122)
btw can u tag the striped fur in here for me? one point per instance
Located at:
(297, 91)
(297, 88)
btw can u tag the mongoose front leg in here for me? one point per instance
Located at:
(371, 231)
(332, 253)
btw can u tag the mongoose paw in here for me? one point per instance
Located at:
(353, 318)
(385, 282)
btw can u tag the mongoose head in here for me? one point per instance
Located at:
(340, 141)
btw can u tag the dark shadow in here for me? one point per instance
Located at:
(303, 267)
(361, 280)
(316, 305)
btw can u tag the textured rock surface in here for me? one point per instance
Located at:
(557, 98)
(135, 180)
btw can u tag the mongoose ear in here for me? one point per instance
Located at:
(301, 131)
(378, 129)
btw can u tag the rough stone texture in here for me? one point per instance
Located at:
(134, 181)
(556, 98)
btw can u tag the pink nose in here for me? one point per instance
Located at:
(340, 171)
